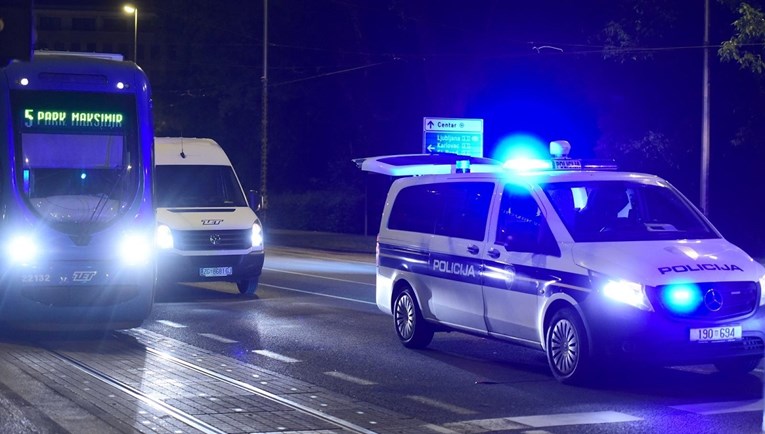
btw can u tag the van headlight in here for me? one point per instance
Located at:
(135, 249)
(622, 291)
(762, 291)
(22, 249)
(257, 235)
(163, 237)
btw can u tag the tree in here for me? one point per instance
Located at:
(747, 44)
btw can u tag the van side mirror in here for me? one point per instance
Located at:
(255, 200)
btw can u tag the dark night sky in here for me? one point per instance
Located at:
(352, 78)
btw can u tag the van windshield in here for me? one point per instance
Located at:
(626, 211)
(197, 186)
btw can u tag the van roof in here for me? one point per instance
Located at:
(197, 151)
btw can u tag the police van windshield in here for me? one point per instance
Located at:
(626, 211)
(197, 186)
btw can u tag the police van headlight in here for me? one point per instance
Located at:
(257, 234)
(163, 237)
(22, 249)
(135, 249)
(622, 291)
(762, 291)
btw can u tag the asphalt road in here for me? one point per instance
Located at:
(313, 324)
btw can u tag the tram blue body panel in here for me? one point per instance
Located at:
(77, 219)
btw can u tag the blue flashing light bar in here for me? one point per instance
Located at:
(527, 164)
(682, 298)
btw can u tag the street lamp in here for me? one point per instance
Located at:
(130, 9)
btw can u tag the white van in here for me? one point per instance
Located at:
(587, 265)
(205, 229)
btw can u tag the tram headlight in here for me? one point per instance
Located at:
(135, 249)
(762, 291)
(257, 235)
(22, 249)
(163, 237)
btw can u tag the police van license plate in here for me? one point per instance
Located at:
(216, 271)
(709, 334)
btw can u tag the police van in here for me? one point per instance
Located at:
(583, 262)
(206, 231)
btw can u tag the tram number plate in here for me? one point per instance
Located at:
(216, 271)
(708, 334)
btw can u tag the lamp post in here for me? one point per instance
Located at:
(264, 115)
(130, 9)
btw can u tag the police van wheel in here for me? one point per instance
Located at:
(738, 366)
(247, 287)
(411, 327)
(567, 348)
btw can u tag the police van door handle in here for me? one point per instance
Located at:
(472, 249)
(493, 253)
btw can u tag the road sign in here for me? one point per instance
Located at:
(452, 136)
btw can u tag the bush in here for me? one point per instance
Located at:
(327, 211)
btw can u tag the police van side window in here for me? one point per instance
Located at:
(416, 209)
(452, 209)
(466, 209)
(521, 226)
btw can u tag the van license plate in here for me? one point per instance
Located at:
(709, 334)
(216, 271)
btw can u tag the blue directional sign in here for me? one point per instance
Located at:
(452, 136)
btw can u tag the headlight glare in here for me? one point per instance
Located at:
(22, 249)
(762, 291)
(135, 249)
(257, 235)
(624, 291)
(164, 237)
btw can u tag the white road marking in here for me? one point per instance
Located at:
(275, 356)
(539, 421)
(171, 324)
(350, 378)
(722, 407)
(575, 419)
(318, 276)
(704, 370)
(442, 405)
(439, 429)
(318, 293)
(218, 338)
(484, 425)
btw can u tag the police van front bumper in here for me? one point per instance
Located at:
(622, 331)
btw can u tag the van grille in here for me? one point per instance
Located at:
(719, 300)
(213, 240)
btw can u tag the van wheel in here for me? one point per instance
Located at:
(738, 366)
(247, 287)
(411, 327)
(567, 348)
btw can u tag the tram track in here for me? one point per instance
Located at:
(173, 412)
(124, 346)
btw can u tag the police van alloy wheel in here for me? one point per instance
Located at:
(247, 287)
(567, 348)
(738, 366)
(411, 327)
